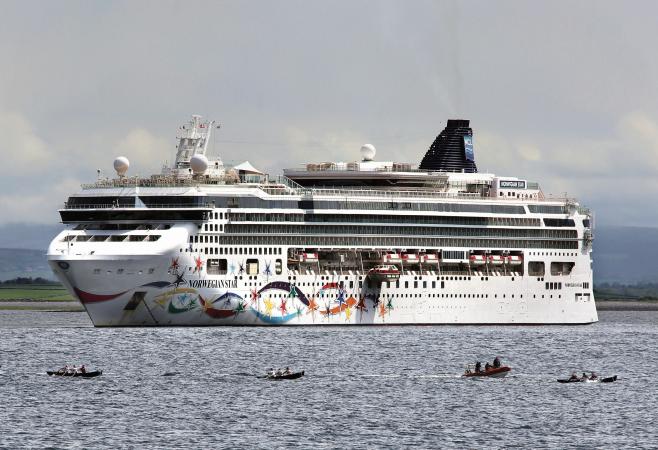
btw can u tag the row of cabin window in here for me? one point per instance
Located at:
(375, 218)
(551, 254)
(112, 238)
(518, 195)
(399, 241)
(238, 251)
(121, 271)
(399, 229)
(431, 295)
(213, 227)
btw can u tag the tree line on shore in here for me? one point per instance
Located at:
(23, 281)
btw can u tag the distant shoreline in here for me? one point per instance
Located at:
(626, 305)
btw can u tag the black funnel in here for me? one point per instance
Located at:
(452, 150)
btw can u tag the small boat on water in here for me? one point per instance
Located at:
(493, 372)
(285, 376)
(59, 373)
(588, 380)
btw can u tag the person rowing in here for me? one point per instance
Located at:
(478, 367)
(287, 371)
(496, 362)
(574, 377)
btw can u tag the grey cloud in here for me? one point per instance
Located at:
(294, 80)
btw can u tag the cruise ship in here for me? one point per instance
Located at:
(363, 242)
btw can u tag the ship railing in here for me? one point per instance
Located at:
(355, 167)
(132, 206)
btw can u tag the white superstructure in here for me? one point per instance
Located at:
(359, 243)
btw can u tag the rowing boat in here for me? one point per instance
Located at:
(494, 372)
(581, 380)
(93, 374)
(286, 376)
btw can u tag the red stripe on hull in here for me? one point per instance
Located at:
(86, 297)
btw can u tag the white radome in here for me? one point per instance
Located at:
(121, 165)
(199, 164)
(368, 152)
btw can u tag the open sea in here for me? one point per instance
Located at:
(383, 387)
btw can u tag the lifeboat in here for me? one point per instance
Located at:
(308, 257)
(515, 260)
(385, 272)
(410, 258)
(430, 258)
(391, 258)
(496, 260)
(477, 260)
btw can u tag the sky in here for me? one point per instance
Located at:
(560, 92)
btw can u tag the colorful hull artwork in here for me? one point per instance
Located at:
(275, 303)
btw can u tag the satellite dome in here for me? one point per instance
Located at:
(121, 165)
(199, 164)
(368, 152)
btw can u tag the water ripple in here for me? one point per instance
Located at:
(364, 387)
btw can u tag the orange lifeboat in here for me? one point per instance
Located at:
(477, 260)
(496, 260)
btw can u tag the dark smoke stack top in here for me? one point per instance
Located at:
(452, 150)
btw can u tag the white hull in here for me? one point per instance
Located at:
(203, 300)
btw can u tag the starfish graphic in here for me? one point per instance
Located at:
(283, 307)
(267, 270)
(241, 271)
(348, 314)
(389, 304)
(269, 305)
(179, 279)
(328, 310)
(299, 310)
(174, 264)
(198, 263)
(254, 296)
(206, 305)
(240, 308)
(312, 305)
(293, 291)
(374, 298)
(231, 268)
(382, 310)
(361, 306)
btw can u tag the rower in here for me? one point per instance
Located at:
(593, 376)
(585, 376)
(574, 377)
(287, 372)
(82, 369)
(496, 362)
(487, 366)
(478, 367)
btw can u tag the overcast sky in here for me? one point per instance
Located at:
(564, 93)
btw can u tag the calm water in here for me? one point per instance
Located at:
(365, 387)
